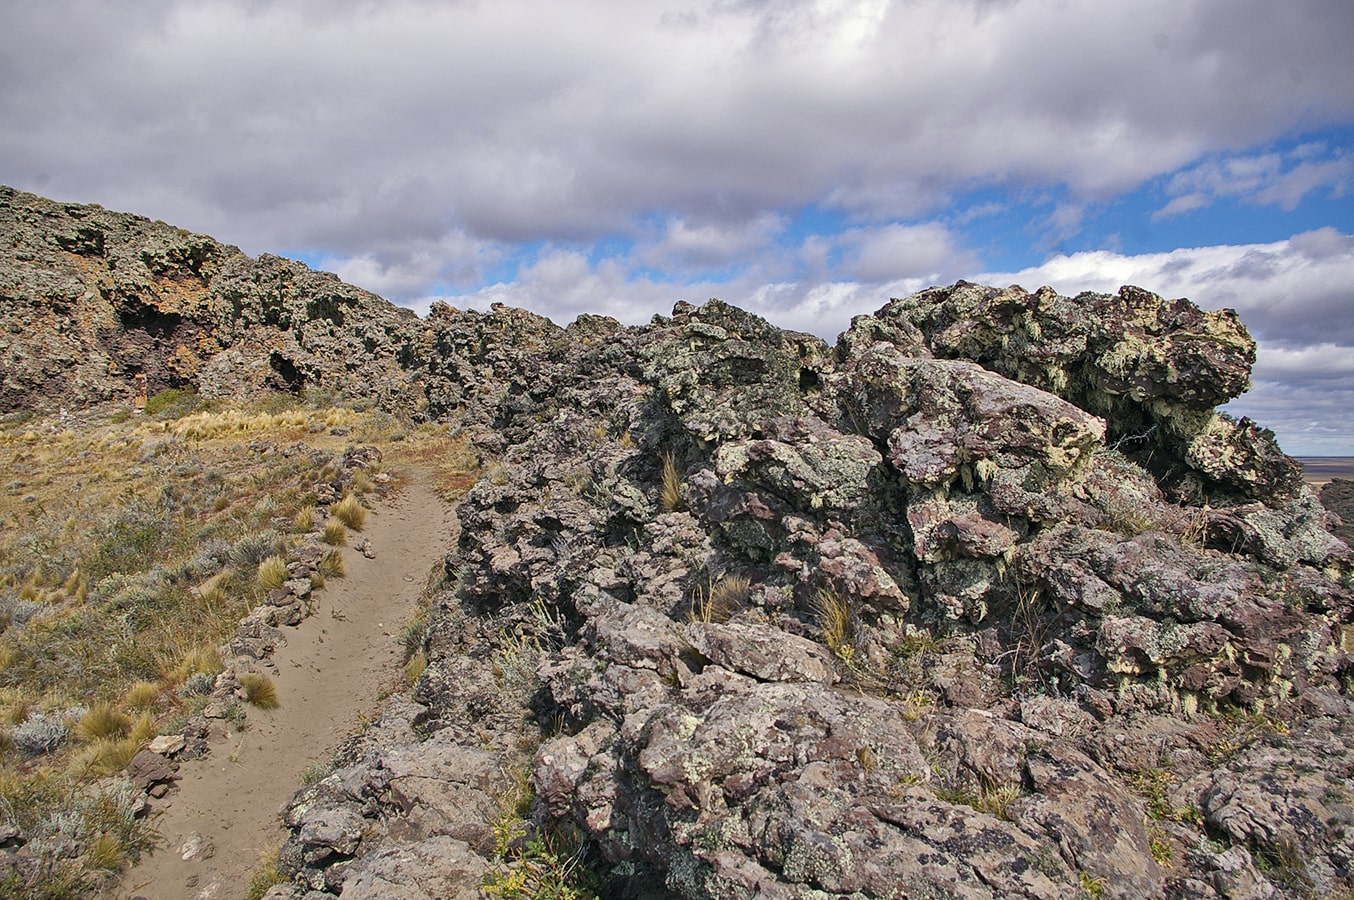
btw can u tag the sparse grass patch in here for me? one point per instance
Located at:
(350, 512)
(266, 875)
(259, 690)
(331, 565)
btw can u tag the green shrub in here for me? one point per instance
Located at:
(172, 403)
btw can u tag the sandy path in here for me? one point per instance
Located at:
(335, 667)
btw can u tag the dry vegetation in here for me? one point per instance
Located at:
(130, 547)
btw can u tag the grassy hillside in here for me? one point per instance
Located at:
(130, 547)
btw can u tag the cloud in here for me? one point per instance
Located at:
(1269, 179)
(319, 125)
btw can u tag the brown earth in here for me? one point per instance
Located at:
(334, 671)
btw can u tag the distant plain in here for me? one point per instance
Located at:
(1317, 470)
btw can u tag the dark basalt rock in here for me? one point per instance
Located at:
(918, 623)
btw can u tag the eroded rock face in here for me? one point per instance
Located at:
(911, 625)
(90, 298)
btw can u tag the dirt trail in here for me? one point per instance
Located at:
(334, 668)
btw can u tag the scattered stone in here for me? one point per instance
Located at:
(166, 744)
(196, 847)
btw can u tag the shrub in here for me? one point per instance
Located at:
(272, 573)
(350, 512)
(172, 403)
(40, 734)
(259, 690)
(197, 685)
(252, 549)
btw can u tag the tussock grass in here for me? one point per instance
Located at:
(104, 720)
(107, 852)
(331, 564)
(835, 621)
(717, 602)
(350, 512)
(362, 484)
(195, 661)
(415, 666)
(104, 757)
(272, 573)
(670, 496)
(141, 695)
(304, 520)
(259, 690)
(334, 534)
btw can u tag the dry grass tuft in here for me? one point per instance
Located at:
(350, 512)
(105, 757)
(304, 520)
(362, 484)
(717, 602)
(141, 695)
(670, 497)
(104, 720)
(107, 852)
(334, 534)
(259, 690)
(198, 660)
(415, 666)
(272, 573)
(331, 564)
(836, 622)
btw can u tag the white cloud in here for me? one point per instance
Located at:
(317, 125)
(1268, 179)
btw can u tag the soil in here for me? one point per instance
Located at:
(336, 668)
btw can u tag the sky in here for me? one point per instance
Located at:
(804, 159)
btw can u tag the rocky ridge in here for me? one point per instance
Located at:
(912, 627)
(986, 600)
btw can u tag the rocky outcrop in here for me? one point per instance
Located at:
(987, 600)
(91, 298)
(873, 622)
